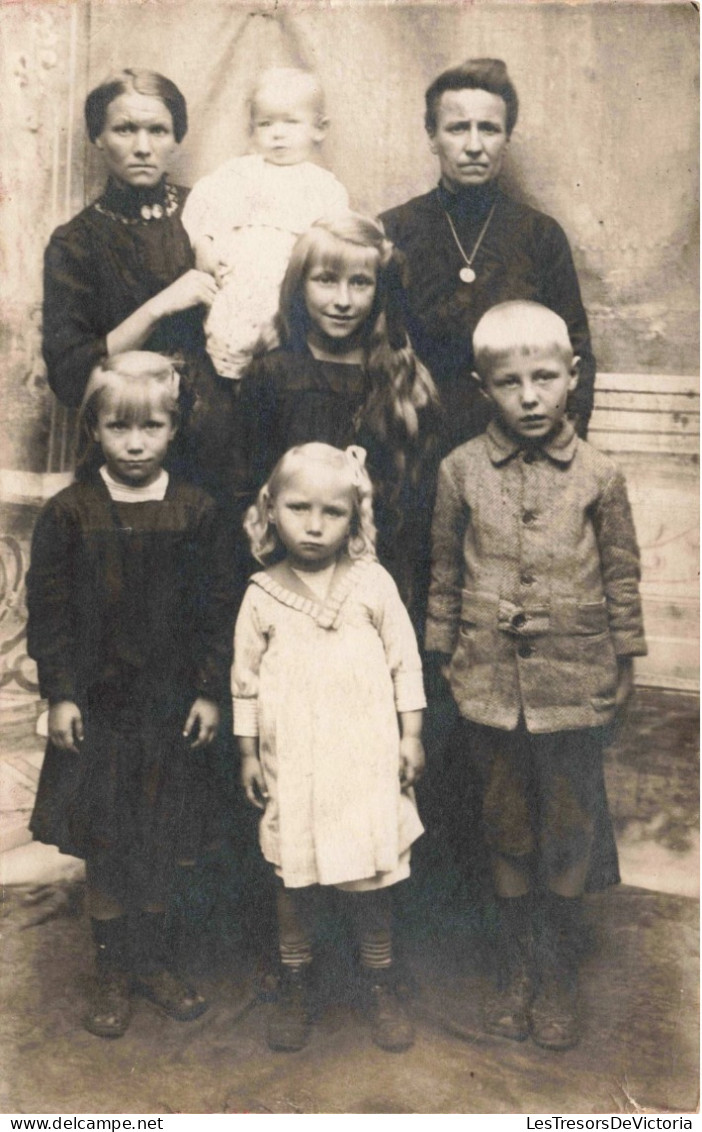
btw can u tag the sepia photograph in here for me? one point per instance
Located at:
(349, 560)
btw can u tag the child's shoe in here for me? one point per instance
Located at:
(554, 1015)
(391, 1029)
(506, 1010)
(110, 1010)
(554, 1021)
(174, 997)
(153, 979)
(289, 1020)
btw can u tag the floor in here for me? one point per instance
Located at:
(639, 999)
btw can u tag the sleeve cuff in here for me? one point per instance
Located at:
(628, 644)
(55, 686)
(440, 638)
(245, 717)
(409, 691)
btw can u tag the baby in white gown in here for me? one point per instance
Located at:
(244, 218)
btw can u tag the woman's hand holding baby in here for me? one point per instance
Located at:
(66, 726)
(194, 288)
(202, 721)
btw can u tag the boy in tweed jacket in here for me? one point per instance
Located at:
(534, 604)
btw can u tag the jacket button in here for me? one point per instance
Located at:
(528, 516)
(525, 650)
(518, 620)
(526, 579)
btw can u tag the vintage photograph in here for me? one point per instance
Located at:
(349, 606)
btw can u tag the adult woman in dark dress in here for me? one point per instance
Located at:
(120, 275)
(468, 245)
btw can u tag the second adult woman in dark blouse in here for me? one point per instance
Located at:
(468, 245)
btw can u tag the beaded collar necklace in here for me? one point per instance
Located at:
(153, 210)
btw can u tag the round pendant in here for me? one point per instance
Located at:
(466, 275)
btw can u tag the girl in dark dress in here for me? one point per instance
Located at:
(130, 623)
(120, 275)
(346, 373)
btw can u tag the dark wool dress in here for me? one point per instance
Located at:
(130, 617)
(290, 398)
(102, 266)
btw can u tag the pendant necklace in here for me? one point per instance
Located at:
(467, 274)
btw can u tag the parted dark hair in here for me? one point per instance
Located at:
(473, 74)
(130, 81)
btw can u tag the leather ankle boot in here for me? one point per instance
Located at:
(391, 1028)
(506, 1010)
(289, 1019)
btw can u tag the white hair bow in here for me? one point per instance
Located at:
(357, 460)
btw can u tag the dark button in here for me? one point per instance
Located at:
(526, 579)
(530, 457)
(525, 650)
(528, 516)
(518, 620)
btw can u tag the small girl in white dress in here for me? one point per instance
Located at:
(326, 665)
(244, 218)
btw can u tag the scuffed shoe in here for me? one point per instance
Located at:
(554, 1012)
(391, 1028)
(110, 1010)
(554, 1021)
(174, 997)
(289, 1019)
(506, 1010)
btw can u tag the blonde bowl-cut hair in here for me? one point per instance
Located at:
(519, 324)
(266, 546)
(134, 383)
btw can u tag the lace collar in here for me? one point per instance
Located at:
(137, 206)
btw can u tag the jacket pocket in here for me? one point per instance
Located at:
(478, 609)
(591, 618)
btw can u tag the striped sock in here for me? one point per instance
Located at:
(376, 952)
(297, 953)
